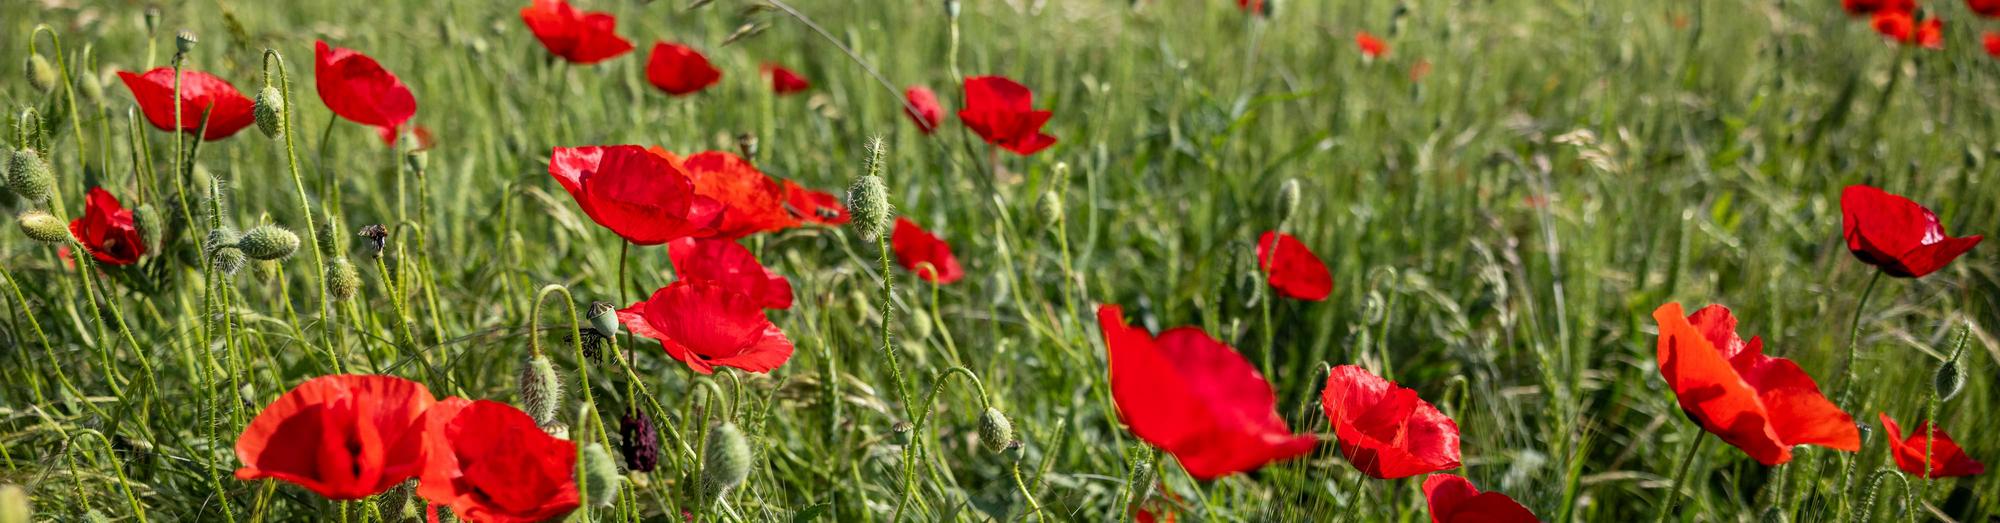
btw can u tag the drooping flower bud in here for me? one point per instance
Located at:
(343, 280)
(541, 389)
(1288, 199)
(1950, 379)
(29, 176)
(639, 442)
(268, 242)
(184, 41)
(1051, 207)
(597, 476)
(868, 204)
(92, 86)
(41, 75)
(44, 227)
(727, 463)
(267, 110)
(152, 231)
(995, 432)
(223, 256)
(604, 318)
(14, 505)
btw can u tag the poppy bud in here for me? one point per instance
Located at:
(1949, 380)
(920, 324)
(93, 88)
(44, 227)
(184, 41)
(29, 176)
(14, 505)
(221, 249)
(1051, 207)
(41, 75)
(418, 160)
(868, 203)
(995, 432)
(640, 442)
(1373, 310)
(1288, 199)
(343, 281)
(727, 462)
(541, 389)
(604, 318)
(269, 102)
(597, 476)
(395, 503)
(152, 231)
(268, 242)
(96, 516)
(377, 235)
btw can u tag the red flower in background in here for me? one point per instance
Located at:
(706, 325)
(784, 81)
(732, 266)
(1947, 460)
(1252, 6)
(357, 88)
(1867, 7)
(1002, 112)
(1761, 404)
(1986, 8)
(923, 253)
(228, 111)
(814, 206)
(1195, 398)
(491, 464)
(679, 69)
(1386, 431)
(923, 108)
(1903, 27)
(107, 229)
(644, 198)
(1370, 46)
(1993, 44)
(752, 202)
(579, 37)
(1453, 499)
(343, 437)
(1293, 270)
(1895, 234)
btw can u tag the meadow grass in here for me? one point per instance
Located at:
(1498, 231)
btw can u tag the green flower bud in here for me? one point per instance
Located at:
(267, 110)
(44, 227)
(726, 464)
(1950, 379)
(540, 389)
(343, 281)
(93, 87)
(395, 503)
(268, 242)
(223, 256)
(1051, 207)
(14, 505)
(29, 176)
(96, 516)
(868, 204)
(41, 75)
(995, 432)
(418, 160)
(184, 41)
(597, 476)
(604, 318)
(1288, 199)
(152, 230)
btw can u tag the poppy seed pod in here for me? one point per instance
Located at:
(540, 389)
(269, 103)
(152, 231)
(639, 442)
(268, 242)
(727, 462)
(29, 176)
(41, 75)
(1949, 380)
(597, 476)
(868, 203)
(343, 280)
(152, 19)
(184, 41)
(995, 432)
(44, 227)
(604, 318)
(1288, 199)
(14, 505)
(951, 8)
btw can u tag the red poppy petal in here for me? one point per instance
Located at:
(1710, 390)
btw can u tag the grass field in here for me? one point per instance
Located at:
(1502, 199)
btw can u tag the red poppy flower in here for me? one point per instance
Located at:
(1903, 27)
(1371, 46)
(1293, 270)
(107, 229)
(1761, 404)
(1947, 460)
(923, 108)
(923, 253)
(343, 437)
(580, 37)
(752, 202)
(647, 199)
(784, 81)
(1195, 398)
(357, 88)
(1993, 44)
(679, 69)
(1386, 431)
(1895, 234)
(1867, 7)
(1986, 8)
(1453, 499)
(228, 111)
(732, 266)
(1251, 6)
(814, 206)
(491, 464)
(707, 325)
(1002, 112)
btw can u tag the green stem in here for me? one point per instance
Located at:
(1680, 475)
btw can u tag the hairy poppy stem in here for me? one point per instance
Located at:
(1680, 475)
(272, 57)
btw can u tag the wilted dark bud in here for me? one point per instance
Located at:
(152, 230)
(995, 432)
(541, 389)
(639, 442)
(343, 280)
(1949, 380)
(597, 476)
(746, 143)
(268, 242)
(44, 227)
(378, 237)
(604, 318)
(41, 75)
(29, 176)
(868, 204)
(727, 463)
(268, 109)
(184, 41)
